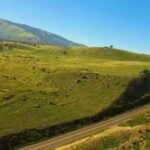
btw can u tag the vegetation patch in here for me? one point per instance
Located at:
(47, 90)
(133, 134)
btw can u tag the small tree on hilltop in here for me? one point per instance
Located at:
(111, 46)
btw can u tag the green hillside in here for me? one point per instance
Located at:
(23, 33)
(41, 86)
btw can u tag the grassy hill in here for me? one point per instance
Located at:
(42, 86)
(23, 33)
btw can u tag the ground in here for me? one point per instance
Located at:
(134, 134)
(41, 85)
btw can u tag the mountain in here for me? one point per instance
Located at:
(23, 33)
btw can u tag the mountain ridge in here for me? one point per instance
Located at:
(24, 33)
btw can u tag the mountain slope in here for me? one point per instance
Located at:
(24, 33)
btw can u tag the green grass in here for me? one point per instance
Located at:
(137, 137)
(143, 119)
(46, 85)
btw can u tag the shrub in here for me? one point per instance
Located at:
(1, 47)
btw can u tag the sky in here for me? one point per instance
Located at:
(125, 24)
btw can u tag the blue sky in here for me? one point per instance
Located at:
(122, 23)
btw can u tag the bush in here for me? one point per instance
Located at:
(1, 47)
(145, 76)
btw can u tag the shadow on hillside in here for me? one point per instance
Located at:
(132, 97)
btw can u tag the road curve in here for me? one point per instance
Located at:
(84, 132)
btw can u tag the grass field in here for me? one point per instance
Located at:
(42, 86)
(131, 135)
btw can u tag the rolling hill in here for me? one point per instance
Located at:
(23, 33)
(48, 90)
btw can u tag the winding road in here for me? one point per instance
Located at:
(86, 131)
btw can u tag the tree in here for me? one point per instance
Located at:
(145, 74)
(111, 46)
(145, 77)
